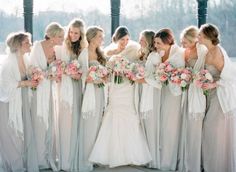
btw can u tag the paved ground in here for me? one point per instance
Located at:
(122, 169)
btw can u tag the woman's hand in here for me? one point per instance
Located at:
(115, 51)
(89, 80)
(76, 76)
(140, 81)
(28, 83)
(161, 53)
(208, 86)
(120, 48)
(105, 79)
(54, 78)
(34, 84)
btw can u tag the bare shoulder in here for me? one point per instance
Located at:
(218, 58)
(110, 52)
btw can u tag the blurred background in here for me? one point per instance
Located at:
(137, 15)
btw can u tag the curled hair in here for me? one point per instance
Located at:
(120, 32)
(166, 35)
(90, 34)
(149, 36)
(52, 30)
(190, 33)
(75, 48)
(211, 32)
(14, 40)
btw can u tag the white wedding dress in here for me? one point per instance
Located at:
(121, 140)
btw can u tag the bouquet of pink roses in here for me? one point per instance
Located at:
(203, 79)
(35, 74)
(56, 69)
(117, 65)
(181, 77)
(73, 68)
(134, 71)
(163, 72)
(97, 74)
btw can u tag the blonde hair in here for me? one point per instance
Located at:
(90, 34)
(52, 30)
(190, 33)
(76, 47)
(149, 36)
(14, 40)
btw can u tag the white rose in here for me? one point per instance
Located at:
(208, 76)
(78, 65)
(183, 76)
(54, 69)
(183, 84)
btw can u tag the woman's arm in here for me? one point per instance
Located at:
(27, 83)
(218, 60)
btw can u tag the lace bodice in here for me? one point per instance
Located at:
(213, 71)
(191, 62)
(93, 63)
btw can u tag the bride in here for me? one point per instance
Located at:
(120, 140)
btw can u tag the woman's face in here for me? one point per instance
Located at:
(25, 46)
(74, 34)
(98, 39)
(123, 41)
(142, 41)
(159, 45)
(186, 43)
(202, 38)
(58, 39)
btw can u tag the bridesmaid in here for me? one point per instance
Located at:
(194, 105)
(92, 113)
(43, 102)
(219, 127)
(150, 97)
(170, 112)
(70, 96)
(16, 137)
(146, 47)
(146, 44)
(1, 161)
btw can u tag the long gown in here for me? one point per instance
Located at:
(69, 116)
(121, 140)
(44, 129)
(191, 136)
(12, 144)
(219, 133)
(151, 120)
(45, 143)
(20, 152)
(17, 150)
(69, 130)
(170, 116)
(89, 128)
(1, 161)
(30, 157)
